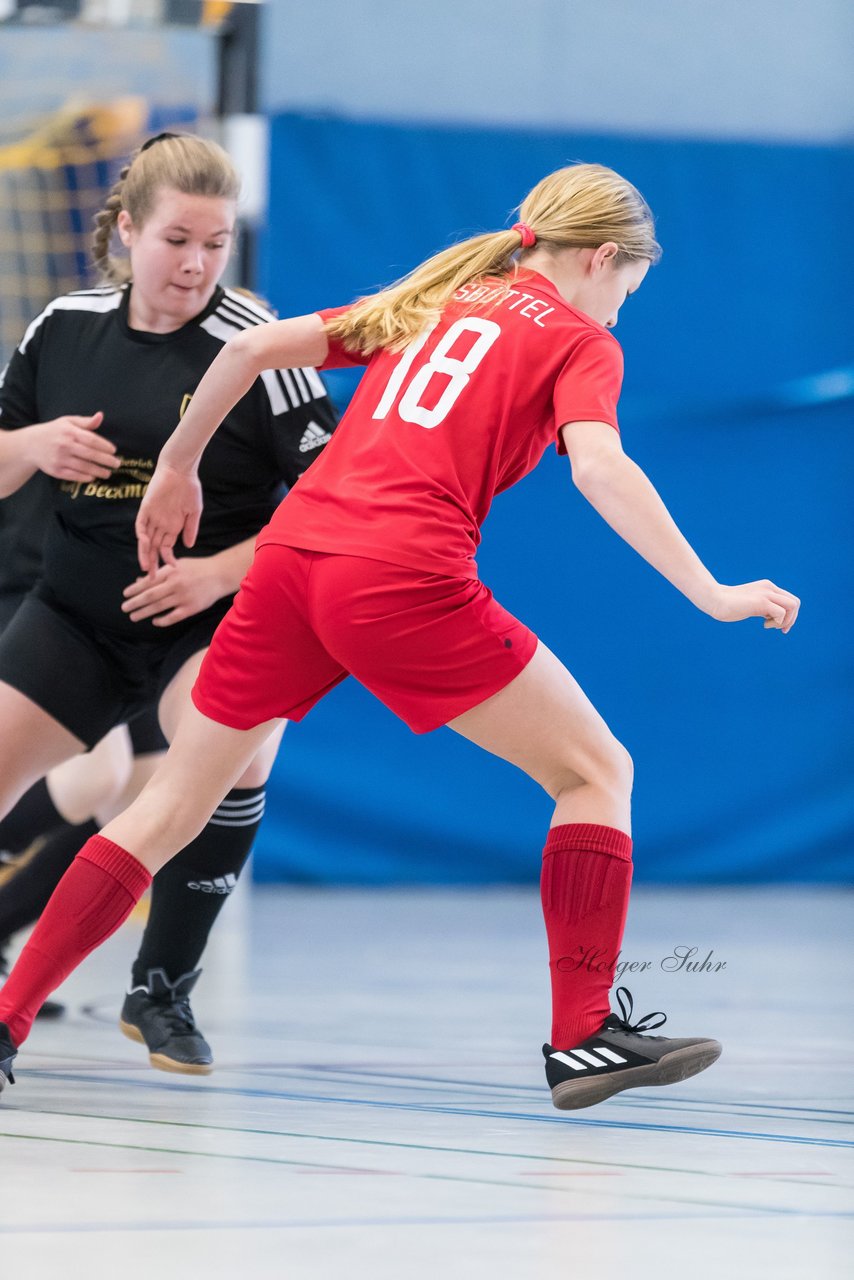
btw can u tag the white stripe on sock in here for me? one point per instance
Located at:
(235, 822)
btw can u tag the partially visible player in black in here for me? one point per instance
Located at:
(89, 398)
(88, 784)
(22, 520)
(40, 836)
(21, 536)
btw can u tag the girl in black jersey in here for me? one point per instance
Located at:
(89, 398)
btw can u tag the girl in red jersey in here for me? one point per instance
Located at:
(476, 362)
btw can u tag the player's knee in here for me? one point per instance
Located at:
(614, 770)
(255, 775)
(258, 770)
(113, 778)
(621, 768)
(609, 768)
(90, 783)
(95, 795)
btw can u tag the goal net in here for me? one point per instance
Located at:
(81, 84)
(52, 183)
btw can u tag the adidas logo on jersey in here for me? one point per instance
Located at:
(313, 437)
(220, 884)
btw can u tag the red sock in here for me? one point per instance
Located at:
(96, 895)
(587, 873)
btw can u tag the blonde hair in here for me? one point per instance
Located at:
(180, 162)
(581, 206)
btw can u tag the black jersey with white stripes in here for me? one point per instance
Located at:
(80, 356)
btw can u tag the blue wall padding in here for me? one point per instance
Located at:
(741, 737)
(756, 280)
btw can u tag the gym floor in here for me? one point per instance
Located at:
(379, 1107)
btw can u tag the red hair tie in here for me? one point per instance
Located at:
(528, 236)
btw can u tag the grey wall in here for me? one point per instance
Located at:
(771, 69)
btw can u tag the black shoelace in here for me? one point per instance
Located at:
(624, 1023)
(178, 1015)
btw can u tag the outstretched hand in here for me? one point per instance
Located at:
(171, 508)
(762, 599)
(70, 448)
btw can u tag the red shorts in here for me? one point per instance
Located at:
(428, 646)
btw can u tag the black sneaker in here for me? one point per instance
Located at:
(51, 1009)
(620, 1057)
(159, 1016)
(8, 1054)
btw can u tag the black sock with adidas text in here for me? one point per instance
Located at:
(188, 893)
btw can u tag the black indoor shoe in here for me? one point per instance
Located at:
(158, 1015)
(620, 1056)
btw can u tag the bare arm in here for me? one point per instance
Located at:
(172, 505)
(68, 448)
(623, 495)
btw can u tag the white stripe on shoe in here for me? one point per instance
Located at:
(569, 1062)
(588, 1058)
(609, 1054)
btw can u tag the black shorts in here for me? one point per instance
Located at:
(146, 736)
(90, 680)
(10, 603)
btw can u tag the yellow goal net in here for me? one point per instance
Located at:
(52, 183)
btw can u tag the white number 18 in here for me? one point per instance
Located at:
(458, 371)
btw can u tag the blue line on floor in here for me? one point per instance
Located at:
(633, 1125)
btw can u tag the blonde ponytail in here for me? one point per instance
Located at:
(581, 206)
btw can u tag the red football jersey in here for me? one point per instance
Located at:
(435, 431)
